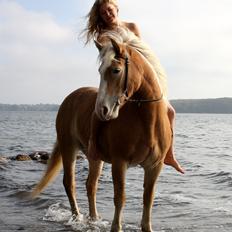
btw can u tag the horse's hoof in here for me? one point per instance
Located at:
(77, 217)
(146, 230)
(116, 229)
(94, 218)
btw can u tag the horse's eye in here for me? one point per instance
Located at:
(116, 70)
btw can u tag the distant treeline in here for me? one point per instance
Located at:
(210, 106)
(25, 107)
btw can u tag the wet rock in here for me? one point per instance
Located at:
(39, 155)
(22, 157)
(3, 159)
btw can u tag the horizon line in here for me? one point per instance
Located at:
(175, 99)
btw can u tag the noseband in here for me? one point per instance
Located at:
(125, 88)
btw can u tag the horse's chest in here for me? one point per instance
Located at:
(128, 142)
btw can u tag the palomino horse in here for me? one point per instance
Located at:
(135, 130)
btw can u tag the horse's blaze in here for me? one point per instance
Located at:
(109, 92)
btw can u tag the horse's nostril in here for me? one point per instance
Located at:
(104, 110)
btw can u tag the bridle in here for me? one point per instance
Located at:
(125, 88)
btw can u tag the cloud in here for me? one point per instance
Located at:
(193, 41)
(38, 56)
(41, 59)
(21, 27)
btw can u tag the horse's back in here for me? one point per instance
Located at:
(74, 116)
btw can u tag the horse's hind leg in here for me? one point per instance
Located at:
(69, 163)
(118, 172)
(150, 177)
(95, 168)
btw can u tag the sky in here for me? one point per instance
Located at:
(43, 58)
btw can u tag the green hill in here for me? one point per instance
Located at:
(211, 106)
(25, 107)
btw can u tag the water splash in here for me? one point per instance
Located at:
(87, 225)
(58, 212)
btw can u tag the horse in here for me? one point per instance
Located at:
(135, 130)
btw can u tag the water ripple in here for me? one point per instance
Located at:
(200, 200)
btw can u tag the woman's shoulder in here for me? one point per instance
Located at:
(132, 27)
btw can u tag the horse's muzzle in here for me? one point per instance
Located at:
(106, 112)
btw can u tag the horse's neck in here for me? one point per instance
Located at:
(150, 87)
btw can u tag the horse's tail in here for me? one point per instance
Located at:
(54, 166)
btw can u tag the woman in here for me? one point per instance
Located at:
(103, 23)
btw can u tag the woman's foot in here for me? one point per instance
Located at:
(171, 161)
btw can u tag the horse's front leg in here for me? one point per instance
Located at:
(118, 172)
(150, 178)
(95, 168)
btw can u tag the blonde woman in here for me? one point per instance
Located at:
(104, 23)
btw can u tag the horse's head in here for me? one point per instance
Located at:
(115, 83)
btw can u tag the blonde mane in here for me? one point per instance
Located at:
(124, 35)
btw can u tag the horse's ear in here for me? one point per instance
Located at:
(115, 46)
(98, 45)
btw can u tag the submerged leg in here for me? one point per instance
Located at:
(69, 163)
(150, 178)
(95, 168)
(118, 172)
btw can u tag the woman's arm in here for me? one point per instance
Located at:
(134, 28)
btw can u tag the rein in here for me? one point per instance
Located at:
(125, 92)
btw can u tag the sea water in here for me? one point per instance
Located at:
(199, 200)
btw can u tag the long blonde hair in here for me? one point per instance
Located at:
(95, 25)
(94, 21)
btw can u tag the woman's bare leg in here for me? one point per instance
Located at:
(170, 158)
